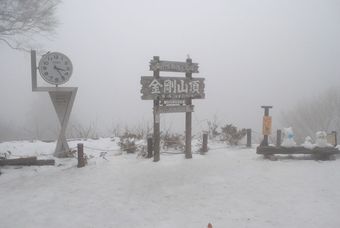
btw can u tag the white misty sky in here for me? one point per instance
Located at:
(251, 53)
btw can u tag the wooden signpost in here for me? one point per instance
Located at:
(267, 125)
(172, 95)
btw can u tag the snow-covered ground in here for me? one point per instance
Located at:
(228, 187)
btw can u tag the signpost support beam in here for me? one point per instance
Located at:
(156, 121)
(205, 143)
(188, 119)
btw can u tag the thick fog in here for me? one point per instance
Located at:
(251, 53)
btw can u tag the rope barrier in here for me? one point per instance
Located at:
(104, 150)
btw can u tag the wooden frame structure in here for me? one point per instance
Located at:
(172, 95)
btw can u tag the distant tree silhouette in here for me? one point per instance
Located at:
(20, 20)
(321, 113)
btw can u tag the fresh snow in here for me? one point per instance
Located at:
(228, 187)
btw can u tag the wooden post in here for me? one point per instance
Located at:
(335, 138)
(205, 143)
(27, 161)
(249, 137)
(150, 145)
(188, 116)
(81, 159)
(266, 113)
(278, 137)
(156, 121)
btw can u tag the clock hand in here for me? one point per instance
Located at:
(57, 68)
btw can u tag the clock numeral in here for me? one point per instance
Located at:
(45, 63)
(46, 73)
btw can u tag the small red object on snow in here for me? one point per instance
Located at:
(209, 225)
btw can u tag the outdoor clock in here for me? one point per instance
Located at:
(55, 68)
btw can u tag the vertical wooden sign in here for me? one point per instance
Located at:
(267, 125)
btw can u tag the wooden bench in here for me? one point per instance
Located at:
(319, 153)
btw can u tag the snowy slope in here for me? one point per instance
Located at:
(229, 187)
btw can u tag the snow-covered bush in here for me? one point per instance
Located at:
(81, 131)
(173, 141)
(127, 142)
(213, 128)
(232, 135)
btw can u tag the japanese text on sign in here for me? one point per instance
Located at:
(172, 66)
(172, 88)
(267, 125)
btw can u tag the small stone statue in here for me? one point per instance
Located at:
(321, 139)
(288, 137)
(308, 143)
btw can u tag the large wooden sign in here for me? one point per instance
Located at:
(172, 66)
(172, 95)
(172, 88)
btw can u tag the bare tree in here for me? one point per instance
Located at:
(320, 113)
(21, 20)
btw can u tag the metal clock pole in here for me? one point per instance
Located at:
(62, 99)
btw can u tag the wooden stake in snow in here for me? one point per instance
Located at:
(248, 137)
(81, 158)
(278, 137)
(205, 143)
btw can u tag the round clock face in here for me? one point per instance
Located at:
(55, 68)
